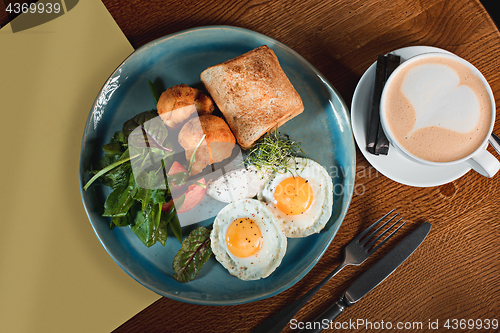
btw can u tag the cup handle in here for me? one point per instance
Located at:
(484, 163)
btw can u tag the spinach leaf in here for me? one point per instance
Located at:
(176, 228)
(170, 218)
(136, 121)
(154, 92)
(174, 222)
(124, 158)
(165, 220)
(162, 231)
(149, 191)
(194, 252)
(121, 199)
(116, 146)
(123, 221)
(118, 137)
(149, 158)
(112, 149)
(120, 221)
(112, 167)
(150, 134)
(146, 224)
(131, 167)
(105, 161)
(118, 176)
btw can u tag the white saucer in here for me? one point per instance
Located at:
(394, 165)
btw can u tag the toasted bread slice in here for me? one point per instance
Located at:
(253, 93)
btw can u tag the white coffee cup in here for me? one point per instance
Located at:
(429, 84)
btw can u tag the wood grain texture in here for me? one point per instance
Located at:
(455, 273)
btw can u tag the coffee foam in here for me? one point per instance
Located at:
(438, 109)
(439, 99)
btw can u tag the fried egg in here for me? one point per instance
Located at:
(302, 199)
(247, 240)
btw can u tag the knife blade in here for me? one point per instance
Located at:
(371, 278)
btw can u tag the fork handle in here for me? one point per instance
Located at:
(323, 321)
(495, 142)
(277, 322)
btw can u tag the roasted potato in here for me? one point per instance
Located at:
(178, 103)
(217, 145)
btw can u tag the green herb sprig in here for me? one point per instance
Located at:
(274, 151)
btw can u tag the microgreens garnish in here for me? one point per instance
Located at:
(274, 151)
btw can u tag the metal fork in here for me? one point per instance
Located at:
(495, 142)
(355, 253)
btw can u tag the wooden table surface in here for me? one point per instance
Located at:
(455, 273)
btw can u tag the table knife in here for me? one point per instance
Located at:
(371, 278)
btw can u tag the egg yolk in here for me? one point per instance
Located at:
(293, 195)
(243, 237)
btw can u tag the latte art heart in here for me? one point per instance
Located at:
(437, 108)
(438, 98)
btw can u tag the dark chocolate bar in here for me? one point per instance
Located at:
(373, 126)
(377, 142)
(382, 145)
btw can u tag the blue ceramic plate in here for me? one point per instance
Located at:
(323, 129)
